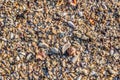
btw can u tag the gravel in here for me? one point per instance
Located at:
(59, 39)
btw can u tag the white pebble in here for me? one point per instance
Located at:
(74, 59)
(80, 13)
(11, 35)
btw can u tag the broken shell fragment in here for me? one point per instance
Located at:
(65, 47)
(71, 51)
(73, 2)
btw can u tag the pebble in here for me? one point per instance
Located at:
(43, 45)
(54, 50)
(1, 78)
(12, 36)
(85, 37)
(80, 13)
(18, 58)
(71, 24)
(63, 63)
(75, 58)
(22, 54)
(61, 35)
(79, 78)
(111, 52)
(29, 56)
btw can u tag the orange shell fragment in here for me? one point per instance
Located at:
(92, 21)
(73, 2)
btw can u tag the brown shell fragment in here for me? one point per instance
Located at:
(71, 51)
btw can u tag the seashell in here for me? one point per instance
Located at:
(71, 51)
(29, 56)
(71, 24)
(65, 47)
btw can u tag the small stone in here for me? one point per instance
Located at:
(1, 77)
(54, 31)
(18, 58)
(80, 13)
(117, 56)
(85, 37)
(63, 63)
(112, 51)
(65, 47)
(61, 35)
(43, 45)
(11, 35)
(79, 78)
(71, 24)
(29, 56)
(22, 53)
(74, 59)
(54, 50)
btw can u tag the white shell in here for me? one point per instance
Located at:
(65, 47)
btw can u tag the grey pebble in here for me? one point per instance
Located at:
(71, 24)
(61, 35)
(54, 50)
(43, 45)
